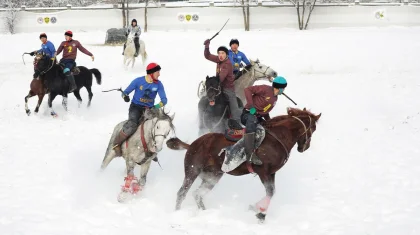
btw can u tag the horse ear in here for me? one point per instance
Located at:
(318, 116)
(173, 116)
(304, 109)
(207, 77)
(257, 61)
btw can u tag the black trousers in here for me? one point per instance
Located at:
(135, 116)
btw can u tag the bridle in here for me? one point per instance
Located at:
(307, 140)
(254, 71)
(153, 133)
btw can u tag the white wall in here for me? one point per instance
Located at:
(212, 18)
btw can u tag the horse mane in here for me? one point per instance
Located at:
(160, 114)
(290, 113)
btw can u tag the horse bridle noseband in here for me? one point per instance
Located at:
(306, 130)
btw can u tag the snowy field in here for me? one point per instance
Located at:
(360, 176)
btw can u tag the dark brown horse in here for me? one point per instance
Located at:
(282, 133)
(37, 87)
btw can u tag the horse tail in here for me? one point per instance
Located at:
(98, 75)
(176, 144)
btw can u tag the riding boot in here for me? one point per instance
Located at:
(249, 142)
(124, 49)
(137, 45)
(119, 139)
(70, 77)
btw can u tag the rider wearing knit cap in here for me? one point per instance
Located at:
(69, 48)
(146, 88)
(260, 99)
(224, 71)
(237, 57)
(136, 30)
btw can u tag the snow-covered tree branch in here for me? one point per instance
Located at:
(11, 18)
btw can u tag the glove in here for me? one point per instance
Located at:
(252, 110)
(93, 58)
(32, 53)
(126, 34)
(135, 34)
(125, 97)
(207, 42)
(157, 106)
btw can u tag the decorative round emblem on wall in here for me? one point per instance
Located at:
(47, 20)
(195, 17)
(40, 20)
(188, 17)
(181, 17)
(53, 20)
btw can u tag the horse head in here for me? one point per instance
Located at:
(262, 71)
(41, 60)
(213, 89)
(130, 38)
(162, 125)
(306, 123)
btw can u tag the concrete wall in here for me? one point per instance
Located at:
(212, 18)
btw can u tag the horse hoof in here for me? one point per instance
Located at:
(260, 217)
(28, 112)
(54, 114)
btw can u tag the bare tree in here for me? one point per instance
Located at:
(245, 13)
(301, 7)
(11, 18)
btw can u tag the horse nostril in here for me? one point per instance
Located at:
(274, 74)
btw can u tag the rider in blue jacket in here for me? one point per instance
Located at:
(236, 57)
(47, 47)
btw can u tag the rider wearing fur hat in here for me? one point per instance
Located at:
(224, 71)
(260, 99)
(146, 88)
(134, 28)
(69, 48)
(237, 57)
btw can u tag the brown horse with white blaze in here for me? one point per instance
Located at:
(203, 156)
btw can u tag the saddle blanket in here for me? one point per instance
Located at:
(235, 154)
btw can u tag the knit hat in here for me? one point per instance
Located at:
(152, 67)
(234, 41)
(134, 20)
(69, 33)
(42, 35)
(279, 82)
(223, 48)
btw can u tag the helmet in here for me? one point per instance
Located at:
(152, 67)
(279, 82)
(233, 41)
(42, 35)
(223, 48)
(69, 33)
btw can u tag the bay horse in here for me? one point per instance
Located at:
(57, 83)
(204, 158)
(213, 108)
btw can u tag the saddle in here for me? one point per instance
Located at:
(234, 135)
(74, 71)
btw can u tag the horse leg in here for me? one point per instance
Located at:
(144, 169)
(207, 184)
(262, 206)
(89, 90)
(64, 102)
(78, 97)
(191, 173)
(132, 62)
(40, 98)
(51, 97)
(30, 94)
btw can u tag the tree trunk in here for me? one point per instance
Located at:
(245, 14)
(145, 15)
(123, 14)
(128, 14)
(298, 14)
(310, 12)
(247, 11)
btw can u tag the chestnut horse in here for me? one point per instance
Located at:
(282, 133)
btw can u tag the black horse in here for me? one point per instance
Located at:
(57, 83)
(213, 109)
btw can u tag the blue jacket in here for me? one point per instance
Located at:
(236, 59)
(145, 92)
(48, 48)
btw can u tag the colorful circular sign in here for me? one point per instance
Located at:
(53, 20)
(40, 20)
(181, 17)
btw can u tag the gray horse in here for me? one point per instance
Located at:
(257, 72)
(156, 128)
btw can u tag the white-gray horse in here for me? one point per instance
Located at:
(156, 127)
(258, 71)
(130, 50)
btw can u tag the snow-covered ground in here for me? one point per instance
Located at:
(360, 176)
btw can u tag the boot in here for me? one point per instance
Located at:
(124, 49)
(70, 77)
(119, 139)
(137, 45)
(249, 142)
